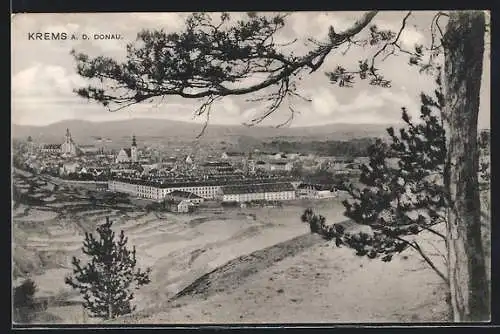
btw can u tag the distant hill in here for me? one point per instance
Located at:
(167, 131)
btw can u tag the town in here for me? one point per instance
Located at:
(183, 181)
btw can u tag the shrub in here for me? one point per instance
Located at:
(24, 303)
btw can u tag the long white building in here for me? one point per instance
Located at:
(226, 191)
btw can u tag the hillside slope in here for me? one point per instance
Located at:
(86, 132)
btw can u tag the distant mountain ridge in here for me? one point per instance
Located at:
(86, 132)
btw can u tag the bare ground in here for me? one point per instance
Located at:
(306, 279)
(241, 266)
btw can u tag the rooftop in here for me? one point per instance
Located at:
(235, 154)
(184, 194)
(51, 146)
(127, 151)
(318, 187)
(172, 183)
(216, 164)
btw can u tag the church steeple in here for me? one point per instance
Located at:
(68, 136)
(133, 150)
(68, 147)
(30, 145)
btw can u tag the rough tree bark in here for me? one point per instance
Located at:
(464, 47)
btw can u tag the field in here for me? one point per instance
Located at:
(226, 265)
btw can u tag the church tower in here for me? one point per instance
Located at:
(68, 136)
(30, 145)
(68, 147)
(250, 164)
(133, 150)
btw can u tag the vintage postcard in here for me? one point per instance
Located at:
(251, 168)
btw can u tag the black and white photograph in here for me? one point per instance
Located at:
(328, 167)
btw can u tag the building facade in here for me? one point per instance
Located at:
(178, 206)
(185, 196)
(123, 187)
(257, 192)
(51, 148)
(67, 149)
(128, 154)
(69, 168)
(316, 191)
(158, 191)
(217, 167)
(89, 149)
(281, 166)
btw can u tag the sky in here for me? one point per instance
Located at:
(44, 76)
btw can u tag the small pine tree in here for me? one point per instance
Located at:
(106, 281)
(408, 195)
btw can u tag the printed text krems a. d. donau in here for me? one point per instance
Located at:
(61, 36)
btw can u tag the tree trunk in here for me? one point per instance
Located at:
(464, 47)
(110, 308)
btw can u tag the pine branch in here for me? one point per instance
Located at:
(224, 56)
(442, 236)
(415, 246)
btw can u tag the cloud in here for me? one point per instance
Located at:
(167, 21)
(44, 93)
(228, 107)
(60, 28)
(324, 102)
(410, 35)
(315, 24)
(250, 113)
(45, 81)
(43, 74)
(365, 106)
(387, 103)
(364, 100)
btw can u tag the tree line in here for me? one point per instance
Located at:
(348, 148)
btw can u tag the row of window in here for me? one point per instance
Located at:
(256, 196)
(207, 192)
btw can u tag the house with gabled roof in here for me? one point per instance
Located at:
(185, 195)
